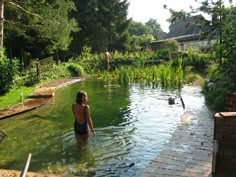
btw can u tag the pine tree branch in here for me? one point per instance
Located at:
(18, 6)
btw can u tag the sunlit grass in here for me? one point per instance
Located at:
(15, 96)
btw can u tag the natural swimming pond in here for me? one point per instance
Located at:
(132, 125)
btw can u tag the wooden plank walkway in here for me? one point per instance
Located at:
(189, 151)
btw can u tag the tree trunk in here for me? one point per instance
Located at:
(22, 59)
(1, 23)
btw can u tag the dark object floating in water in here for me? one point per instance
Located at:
(182, 101)
(132, 164)
(171, 100)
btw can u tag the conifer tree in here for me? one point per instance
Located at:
(103, 24)
(46, 30)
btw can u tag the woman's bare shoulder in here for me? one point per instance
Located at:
(74, 105)
(87, 107)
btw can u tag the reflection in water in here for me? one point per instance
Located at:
(131, 123)
(145, 128)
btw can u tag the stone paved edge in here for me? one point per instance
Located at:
(189, 151)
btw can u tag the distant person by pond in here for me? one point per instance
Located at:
(107, 59)
(83, 122)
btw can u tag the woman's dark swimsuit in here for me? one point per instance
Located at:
(81, 129)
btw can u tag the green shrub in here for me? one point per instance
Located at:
(75, 70)
(163, 54)
(212, 71)
(169, 49)
(215, 98)
(91, 63)
(29, 76)
(171, 45)
(58, 71)
(198, 60)
(194, 78)
(8, 73)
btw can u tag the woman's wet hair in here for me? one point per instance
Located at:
(80, 95)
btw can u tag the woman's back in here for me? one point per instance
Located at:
(79, 113)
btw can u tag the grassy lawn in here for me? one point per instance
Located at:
(15, 96)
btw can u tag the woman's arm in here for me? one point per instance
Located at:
(90, 122)
(73, 109)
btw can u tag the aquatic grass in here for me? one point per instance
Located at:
(179, 77)
(179, 73)
(123, 76)
(166, 75)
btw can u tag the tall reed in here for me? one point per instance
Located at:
(166, 75)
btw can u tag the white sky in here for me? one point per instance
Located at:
(143, 10)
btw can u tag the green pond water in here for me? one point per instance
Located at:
(132, 125)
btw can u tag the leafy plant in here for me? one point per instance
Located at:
(194, 78)
(75, 70)
(91, 63)
(9, 71)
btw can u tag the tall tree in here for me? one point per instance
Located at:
(154, 25)
(227, 48)
(1, 23)
(116, 23)
(103, 24)
(139, 29)
(221, 24)
(213, 8)
(210, 27)
(87, 16)
(139, 35)
(42, 35)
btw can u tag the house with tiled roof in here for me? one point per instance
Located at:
(188, 34)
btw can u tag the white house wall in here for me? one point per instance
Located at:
(196, 45)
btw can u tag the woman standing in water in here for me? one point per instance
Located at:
(83, 122)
